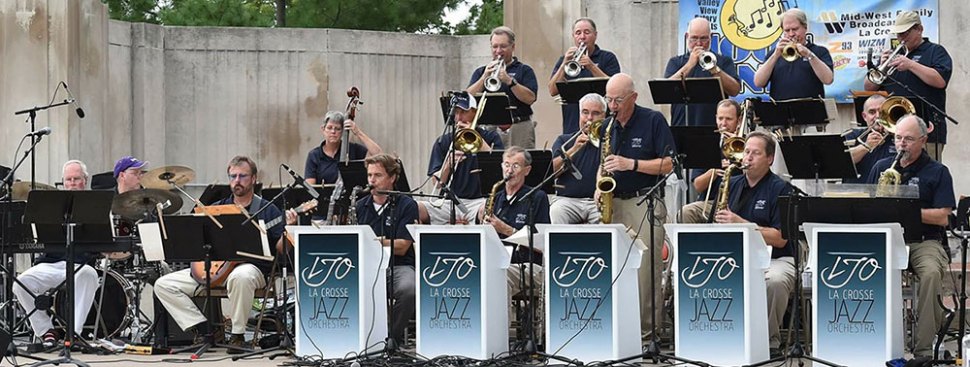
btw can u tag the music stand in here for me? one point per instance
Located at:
(491, 165)
(906, 212)
(686, 91)
(705, 152)
(817, 157)
(571, 91)
(792, 112)
(498, 110)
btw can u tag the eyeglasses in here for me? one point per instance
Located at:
(908, 139)
(513, 166)
(699, 39)
(618, 100)
(73, 179)
(239, 176)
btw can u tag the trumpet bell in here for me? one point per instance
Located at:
(573, 69)
(790, 53)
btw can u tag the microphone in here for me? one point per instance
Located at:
(41, 132)
(77, 109)
(678, 160)
(572, 167)
(301, 181)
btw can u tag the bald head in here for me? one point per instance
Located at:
(621, 83)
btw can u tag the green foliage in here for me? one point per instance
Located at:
(219, 13)
(482, 18)
(144, 11)
(385, 15)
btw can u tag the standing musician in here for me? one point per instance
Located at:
(642, 145)
(865, 157)
(928, 257)
(175, 290)
(688, 66)
(49, 271)
(573, 202)
(595, 62)
(707, 182)
(464, 182)
(753, 198)
(388, 216)
(518, 82)
(810, 71)
(321, 162)
(925, 69)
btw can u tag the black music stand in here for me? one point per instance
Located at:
(72, 218)
(498, 110)
(791, 113)
(491, 165)
(215, 192)
(686, 91)
(571, 91)
(704, 145)
(817, 157)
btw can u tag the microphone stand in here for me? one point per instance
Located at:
(32, 119)
(925, 102)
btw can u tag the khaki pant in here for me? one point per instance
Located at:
(442, 214)
(695, 212)
(779, 282)
(565, 210)
(650, 277)
(928, 262)
(522, 134)
(175, 291)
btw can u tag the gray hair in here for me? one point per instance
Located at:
(875, 97)
(504, 31)
(337, 116)
(798, 14)
(923, 128)
(515, 149)
(84, 168)
(587, 20)
(593, 97)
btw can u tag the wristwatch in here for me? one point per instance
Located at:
(513, 83)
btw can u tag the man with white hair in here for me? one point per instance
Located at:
(573, 202)
(807, 75)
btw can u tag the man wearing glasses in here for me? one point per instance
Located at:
(807, 76)
(698, 40)
(175, 290)
(573, 202)
(875, 148)
(927, 257)
(595, 63)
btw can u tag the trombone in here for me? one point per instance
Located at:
(878, 75)
(492, 83)
(468, 140)
(573, 68)
(891, 110)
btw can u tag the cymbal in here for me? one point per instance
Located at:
(160, 177)
(134, 204)
(22, 188)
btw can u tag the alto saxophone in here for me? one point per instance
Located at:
(490, 202)
(889, 179)
(352, 211)
(605, 184)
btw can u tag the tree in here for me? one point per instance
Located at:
(220, 13)
(139, 11)
(482, 18)
(386, 15)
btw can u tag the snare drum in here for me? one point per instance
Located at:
(125, 229)
(116, 309)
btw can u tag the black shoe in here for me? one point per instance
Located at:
(236, 344)
(774, 353)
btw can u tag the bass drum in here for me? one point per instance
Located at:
(116, 310)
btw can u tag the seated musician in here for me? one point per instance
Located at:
(321, 162)
(754, 199)
(573, 202)
(464, 182)
(707, 182)
(176, 289)
(49, 271)
(865, 156)
(928, 257)
(388, 215)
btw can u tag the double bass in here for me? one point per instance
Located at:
(354, 95)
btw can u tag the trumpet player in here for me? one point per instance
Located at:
(517, 80)
(809, 69)
(925, 69)
(699, 62)
(592, 62)
(753, 198)
(864, 156)
(573, 202)
(707, 182)
(927, 255)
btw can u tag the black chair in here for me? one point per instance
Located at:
(104, 181)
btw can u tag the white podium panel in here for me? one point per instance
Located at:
(341, 290)
(857, 277)
(589, 317)
(462, 290)
(720, 306)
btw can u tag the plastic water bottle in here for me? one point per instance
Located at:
(965, 346)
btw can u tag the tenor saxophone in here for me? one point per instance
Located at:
(889, 179)
(490, 202)
(605, 184)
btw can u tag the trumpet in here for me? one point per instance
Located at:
(879, 74)
(573, 68)
(893, 109)
(790, 53)
(707, 61)
(492, 83)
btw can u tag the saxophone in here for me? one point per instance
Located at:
(352, 211)
(605, 184)
(889, 180)
(490, 202)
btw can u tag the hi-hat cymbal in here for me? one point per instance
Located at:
(160, 177)
(134, 204)
(22, 188)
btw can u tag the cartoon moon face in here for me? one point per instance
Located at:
(751, 24)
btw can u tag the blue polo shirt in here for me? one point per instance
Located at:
(386, 223)
(603, 59)
(516, 216)
(522, 74)
(323, 167)
(273, 233)
(646, 136)
(797, 79)
(463, 183)
(885, 150)
(934, 182)
(701, 114)
(935, 56)
(587, 162)
(759, 205)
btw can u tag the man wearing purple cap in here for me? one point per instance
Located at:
(128, 171)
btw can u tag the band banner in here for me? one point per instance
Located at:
(449, 303)
(328, 316)
(580, 306)
(745, 30)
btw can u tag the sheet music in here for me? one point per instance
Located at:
(521, 238)
(151, 241)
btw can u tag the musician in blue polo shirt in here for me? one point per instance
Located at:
(465, 182)
(707, 182)
(753, 198)
(573, 202)
(698, 41)
(928, 257)
(388, 215)
(807, 76)
(596, 62)
(321, 162)
(875, 148)
(518, 83)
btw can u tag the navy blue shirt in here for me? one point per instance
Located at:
(646, 136)
(273, 233)
(463, 184)
(389, 224)
(935, 56)
(586, 161)
(522, 74)
(517, 216)
(607, 62)
(323, 167)
(759, 205)
(796, 79)
(934, 182)
(884, 150)
(701, 114)
(715, 185)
